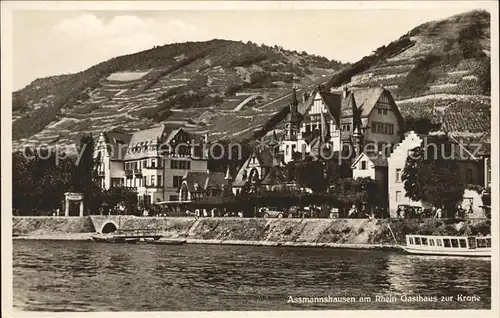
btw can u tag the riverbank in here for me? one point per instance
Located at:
(324, 233)
(88, 237)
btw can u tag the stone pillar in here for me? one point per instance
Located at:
(81, 208)
(66, 207)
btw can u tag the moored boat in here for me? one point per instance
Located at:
(448, 245)
(109, 238)
(166, 242)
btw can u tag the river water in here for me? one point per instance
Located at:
(87, 276)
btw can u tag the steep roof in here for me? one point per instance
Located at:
(364, 100)
(172, 134)
(204, 180)
(118, 142)
(333, 102)
(376, 158)
(147, 135)
(239, 181)
(265, 157)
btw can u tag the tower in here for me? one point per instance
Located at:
(228, 186)
(292, 124)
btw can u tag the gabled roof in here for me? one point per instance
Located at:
(376, 158)
(147, 135)
(333, 102)
(277, 175)
(239, 181)
(265, 157)
(172, 134)
(204, 179)
(118, 142)
(364, 99)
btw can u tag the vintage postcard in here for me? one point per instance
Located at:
(250, 158)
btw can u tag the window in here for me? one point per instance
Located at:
(454, 242)
(411, 240)
(385, 111)
(382, 128)
(417, 241)
(488, 242)
(481, 242)
(152, 180)
(363, 165)
(424, 241)
(398, 175)
(431, 242)
(446, 243)
(116, 182)
(180, 164)
(398, 196)
(438, 242)
(177, 181)
(463, 243)
(159, 180)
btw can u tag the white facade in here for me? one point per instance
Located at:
(316, 118)
(396, 164)
(154, 171)
(363, 167)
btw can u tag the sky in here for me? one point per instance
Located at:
(53, 42)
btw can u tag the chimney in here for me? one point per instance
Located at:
(344, 92)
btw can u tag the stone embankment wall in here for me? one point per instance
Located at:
(34, 225)
(283, 231)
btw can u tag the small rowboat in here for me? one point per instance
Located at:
(448, 245)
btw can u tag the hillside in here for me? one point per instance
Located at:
(438, 70)
(233, 90)
(216, 86)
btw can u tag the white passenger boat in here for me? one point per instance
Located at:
(448, 245)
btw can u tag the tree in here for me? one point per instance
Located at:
(118, 196)
(361, 191)
(39, 180)
(436, 181)
(309, 174)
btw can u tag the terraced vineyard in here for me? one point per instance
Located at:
(221, 89)
(234, 90)
(439, 70)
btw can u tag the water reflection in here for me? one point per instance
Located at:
(57, 276)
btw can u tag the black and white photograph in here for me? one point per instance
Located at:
(264, 157)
